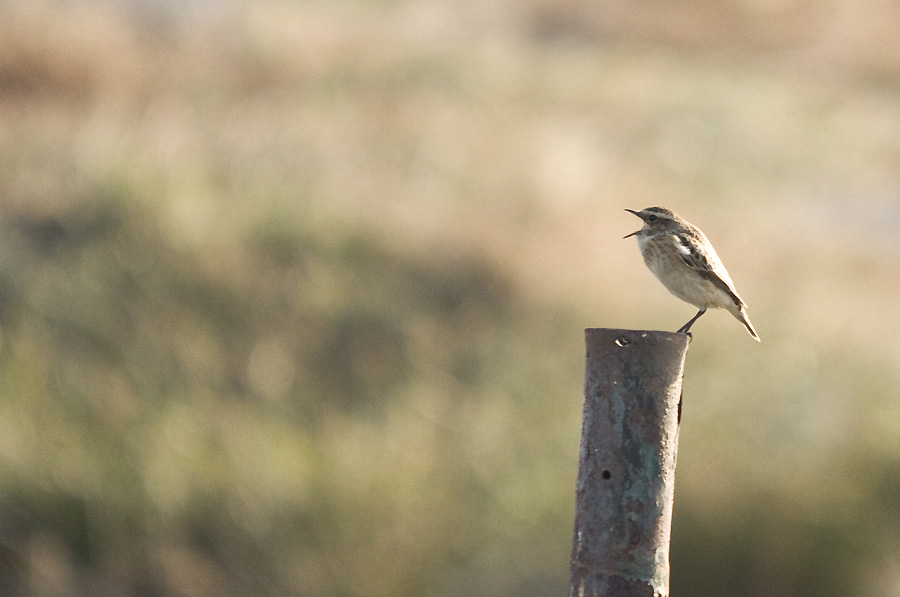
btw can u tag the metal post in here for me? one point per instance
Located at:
(626, 470)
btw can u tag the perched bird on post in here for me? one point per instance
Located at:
(685, 262)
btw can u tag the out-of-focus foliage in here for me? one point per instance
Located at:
(291, 293)
(305, 408)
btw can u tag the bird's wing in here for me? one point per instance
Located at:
(708, 266)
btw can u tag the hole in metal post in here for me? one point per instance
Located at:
(622, 341)
(606, 474)
(680, 399)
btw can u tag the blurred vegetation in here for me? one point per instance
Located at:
(291, 293)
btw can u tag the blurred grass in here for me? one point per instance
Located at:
(292, 292)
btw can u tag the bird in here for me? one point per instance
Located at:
(686, 263)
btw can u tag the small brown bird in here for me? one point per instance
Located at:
(681, 257)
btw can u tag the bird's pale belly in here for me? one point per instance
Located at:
(682, 281)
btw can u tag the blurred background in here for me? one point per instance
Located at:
(292, 292)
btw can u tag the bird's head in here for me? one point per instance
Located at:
(656, 220)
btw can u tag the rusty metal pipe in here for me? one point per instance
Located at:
(626, 469)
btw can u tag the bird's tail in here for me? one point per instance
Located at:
(741, 315)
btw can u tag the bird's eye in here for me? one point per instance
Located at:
(652, 218)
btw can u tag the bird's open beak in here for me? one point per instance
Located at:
(631, 211)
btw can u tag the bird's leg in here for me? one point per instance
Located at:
(684, 329)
